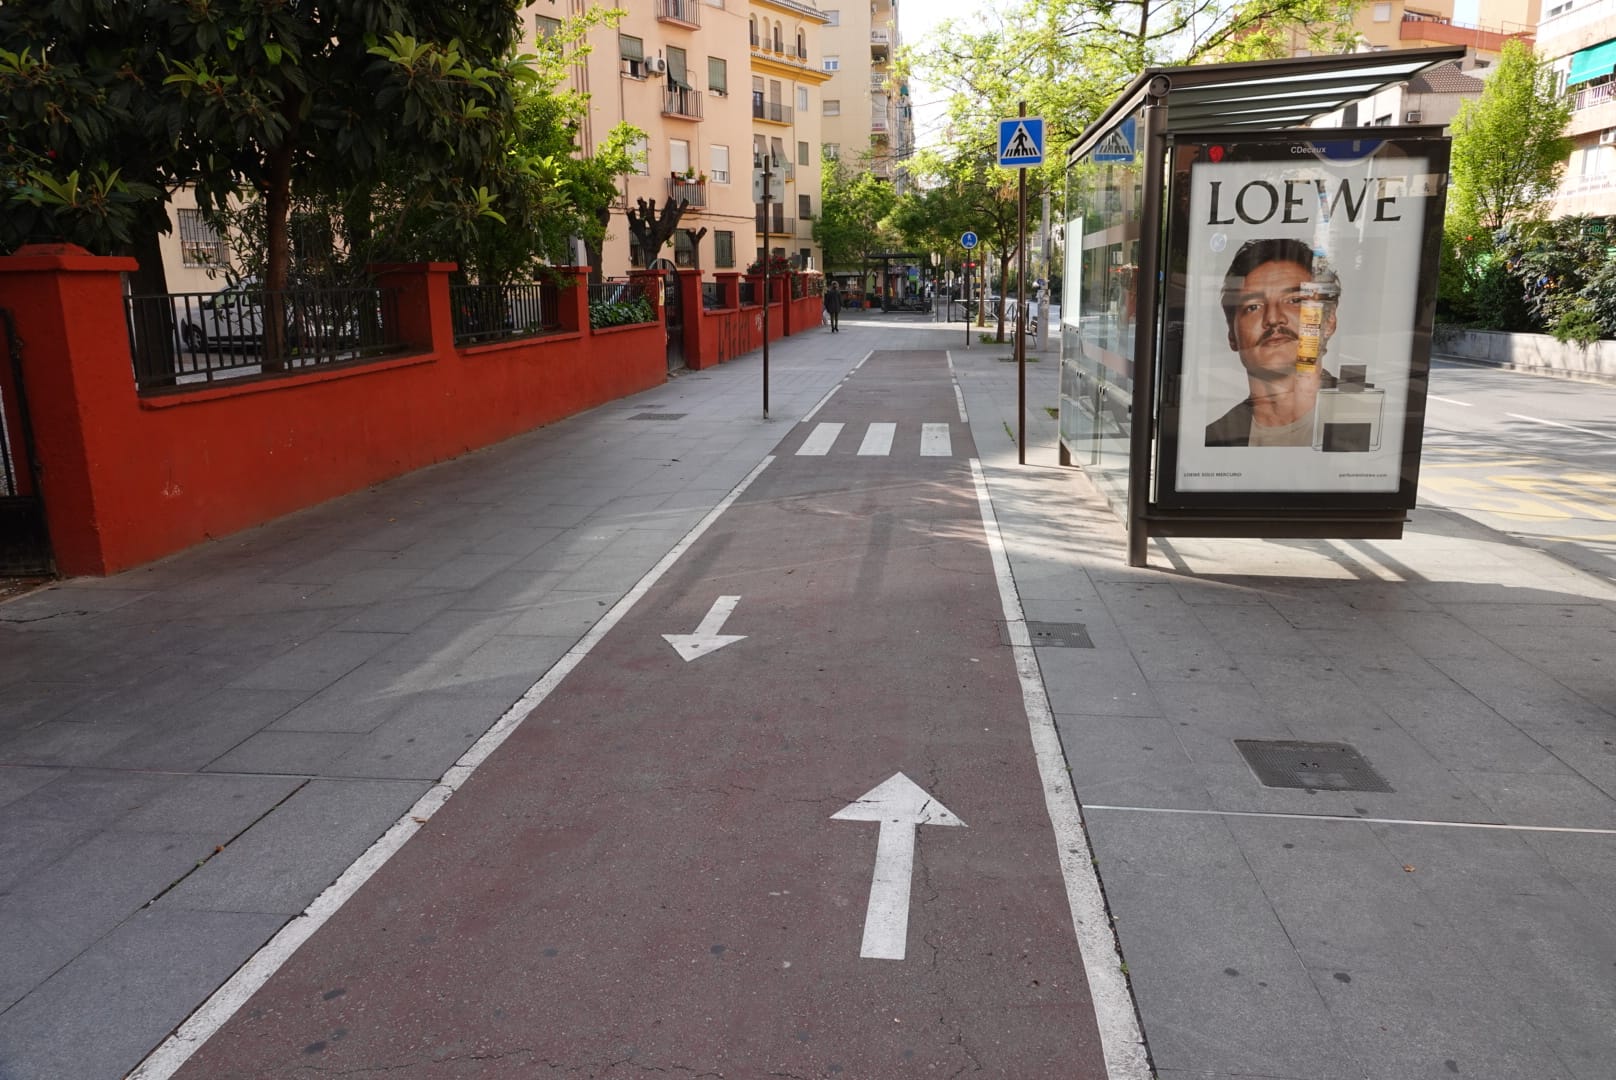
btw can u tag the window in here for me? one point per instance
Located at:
(805, 258)
(632, 50)
(679, 155)
(833, 150)
(802, 46)
(718, 75)
(1383, 12)
(833, 107)
(1591, 160)
(199, 242)
(684, 249)
(832, 63)
(641, 149)
(678, 75)
(802, 99)
(777, 150)
(752, 31)
(779, 39)
(546, 28)
(805, 206)
(802, 153)
(832, 18)
(720, 164)
(723, 249)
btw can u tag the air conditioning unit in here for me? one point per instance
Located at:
(656, 65)
(1607, 137)
(1412, 116)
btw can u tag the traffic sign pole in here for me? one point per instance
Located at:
(1021, 311)
(968, 242)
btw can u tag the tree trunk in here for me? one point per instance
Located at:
(156, 339)
(277, 219)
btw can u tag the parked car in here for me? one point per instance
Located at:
(232, 318)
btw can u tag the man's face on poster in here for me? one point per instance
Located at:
(1265, 322)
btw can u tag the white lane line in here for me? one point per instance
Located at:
(809, 415)
(878, 440)
(820, 440)
(1121, 1041)
(934, 441)
(959, 394)
(1449, 401)
(1359, 820)
(1556, 423)
(167, 1059)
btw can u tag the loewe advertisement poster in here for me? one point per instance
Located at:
(1299, 294)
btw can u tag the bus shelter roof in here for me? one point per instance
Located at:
(1264, 95)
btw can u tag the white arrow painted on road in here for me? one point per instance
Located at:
(901, 806)
(707, 638)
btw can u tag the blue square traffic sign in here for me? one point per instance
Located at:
(1021, 141)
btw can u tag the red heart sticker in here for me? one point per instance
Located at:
(1215, 153)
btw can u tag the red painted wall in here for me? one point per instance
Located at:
(714, 337)
(129, 478)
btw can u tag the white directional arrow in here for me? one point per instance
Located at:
(707, 638)
(901, 806)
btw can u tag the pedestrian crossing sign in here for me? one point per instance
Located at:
(1021, 141)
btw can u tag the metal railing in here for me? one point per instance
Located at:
(682, 101)
(1589, 96)
(620, 303)
(770, 110)
(749, 291)
(679, 11)
(691, 191)
(193, 339)
(712, 295)
(777, 225)
(488, 313)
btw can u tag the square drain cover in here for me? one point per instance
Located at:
(1060, 635)
(1309, 765)
(658, 416)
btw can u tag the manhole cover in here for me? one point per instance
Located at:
(1310, 765)
(658, 416)
(1059, 635)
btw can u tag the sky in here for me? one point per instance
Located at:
(916, 19)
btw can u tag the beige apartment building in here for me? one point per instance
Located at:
(866, 111)
(1579, 36)
(713, 84)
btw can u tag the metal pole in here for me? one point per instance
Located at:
(1043, 294)
(1021, 309)
(767, 177)
(965, 295)
(1142, 413)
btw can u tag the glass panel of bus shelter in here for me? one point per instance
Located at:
(1098, 312)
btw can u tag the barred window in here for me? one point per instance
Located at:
(200, 244)
(684, 249)
(546, 27)
(723, 249)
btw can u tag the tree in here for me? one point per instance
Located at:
(651, 228)
(1509, 147)
(854, 208)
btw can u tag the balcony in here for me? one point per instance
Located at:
(682, 102)
(693, 192)
(772, 111)
(880, 45)
(1589, 96)
(778, 223)
(679, 12)
(878, 81)
(879, 124)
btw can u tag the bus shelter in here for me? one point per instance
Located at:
(1247, 301)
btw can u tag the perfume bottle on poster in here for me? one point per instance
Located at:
(1348, 416)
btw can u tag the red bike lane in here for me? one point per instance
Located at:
(783, 819)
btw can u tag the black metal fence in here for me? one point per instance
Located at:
(749, 293)
(488, 313)
(190, 339)
(712, 295)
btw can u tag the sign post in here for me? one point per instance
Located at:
(1021, 143)
(967, 241)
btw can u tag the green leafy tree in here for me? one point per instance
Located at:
(854, 212)
(1510, 147)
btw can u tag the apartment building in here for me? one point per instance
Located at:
(788, 80)
(1579, 36)
(866, 111)
(1381, 25)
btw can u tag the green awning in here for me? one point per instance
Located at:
(1591, 63)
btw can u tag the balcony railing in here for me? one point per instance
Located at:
(878, 124)
(683, 102)
(683, 12)
(693, 192)
(1589, 96)
(770, 110)
(777, 225)
(880, 44)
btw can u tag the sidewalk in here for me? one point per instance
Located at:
(191, 752)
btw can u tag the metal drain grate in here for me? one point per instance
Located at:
(1310, 766)
(1057, 635)
(659, 416)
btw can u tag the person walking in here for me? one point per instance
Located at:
(833, 306)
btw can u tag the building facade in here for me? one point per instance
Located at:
(1579, 37)
(787, 93)
(868, 118)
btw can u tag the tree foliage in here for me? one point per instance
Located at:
(1510, 147)
(854, 209)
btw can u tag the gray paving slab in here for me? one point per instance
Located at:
(290, 855)
(101, 1012)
